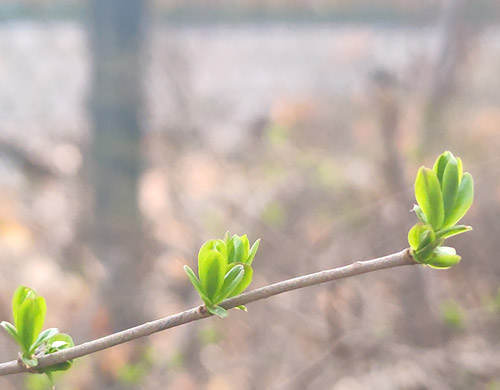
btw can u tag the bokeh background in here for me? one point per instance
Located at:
(132, 131)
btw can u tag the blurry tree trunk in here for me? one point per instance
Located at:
(114, 165)
(115, 155)
(441, 84)
(416, 313)
(388, 107)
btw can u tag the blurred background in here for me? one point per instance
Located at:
(131, 131)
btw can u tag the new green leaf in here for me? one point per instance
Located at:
(444, 257)
(252, 252)
(429, 197)
(237, 249)
(212, 267)
(218, 311)
(20, 295)
(463, 200)
(440, 164)
(453, 231)
(11, 329)
(196, 283)
(43, 337)
(58, 343)
(31, 316)
(244, 282)
(420, 235)
(231, 281)
(449, 187)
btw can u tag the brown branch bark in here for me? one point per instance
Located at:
(198, 313)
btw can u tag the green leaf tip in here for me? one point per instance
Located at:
(224, 270)
(444, 195)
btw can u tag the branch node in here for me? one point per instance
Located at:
(202, 309)
(24, 366)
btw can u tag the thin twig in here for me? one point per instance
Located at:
(357, 268)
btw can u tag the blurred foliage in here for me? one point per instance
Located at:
(134, 373)
(37, 382)
(493, 385)
(274, 214)
(492, 302)
(209, 334)
(453, 314)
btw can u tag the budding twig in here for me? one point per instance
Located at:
(198, 313)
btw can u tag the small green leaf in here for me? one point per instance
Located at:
(252, 252)
(450, 186)
(43, 337)
(58, 343)
(463, 200)
(29, 361)
(218, 311)
(196, 283)
(245, 282)
(414, 236)
(429, 197)
(246, 248)
(241, 307)
(420, 235)
(453, 231)
(453, 314)
(444, 257)
(64, 366)
(425, 253)
(440, 164)
(11, 329)
(212, 269)
(31, 316)
(20, 295)
(232, 279)
(237, 252)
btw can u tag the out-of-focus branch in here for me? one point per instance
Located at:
(451, 52)
(357, 268)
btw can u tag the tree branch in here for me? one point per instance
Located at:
(357, 268)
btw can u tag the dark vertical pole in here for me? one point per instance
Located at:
(115, 156)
